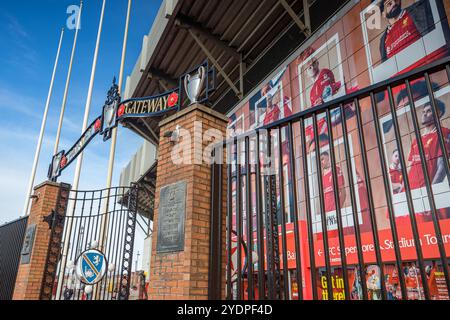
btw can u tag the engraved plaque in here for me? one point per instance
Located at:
(172, 208)
(27, 248)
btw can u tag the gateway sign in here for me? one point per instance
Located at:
(197, 85)
(150, 106)
(114, 112)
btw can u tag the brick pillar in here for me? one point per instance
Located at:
(31, 268)
(184, 274)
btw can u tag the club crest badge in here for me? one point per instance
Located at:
(55, 168)
(91, 267)
(110, 111)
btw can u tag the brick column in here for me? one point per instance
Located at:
(30, 273)
(184, 274)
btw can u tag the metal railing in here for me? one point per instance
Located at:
(289, 180)
(11, 240)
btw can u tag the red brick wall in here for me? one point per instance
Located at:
(184, 275)
(29, 276)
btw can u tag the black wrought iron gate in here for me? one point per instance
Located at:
(104, 220)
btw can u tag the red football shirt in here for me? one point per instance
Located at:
(396, 175)
(324, 87)
(401, 34)
(328, 188)
(432, 151)
(272, 115)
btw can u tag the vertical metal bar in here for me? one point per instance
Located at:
(89, 233)
(436, 117)
(269, 240)
(283, 216)
(308, 212)
(114, 238)
(362, 143)
(398, 256)
(437, 228)
(273, 225)
(239, 224)
(337, 205)
(248, 210)
(111, 226)
(214, 282)
(322, 209)
(294, 207)
(220, 231)
(212, 237)
(355, 209)
(229, 224)
(409, 200)
(121, 245)
(66, 237)
(259, 224)
(118, 247)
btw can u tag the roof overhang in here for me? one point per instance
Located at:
(244, 40)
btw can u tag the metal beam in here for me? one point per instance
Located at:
(255, 61)
(151, 130)
(306, 14)
(161, 75)
(242, 67)
(216, 64)
(144, 135)
(296, 19)
(184, 22)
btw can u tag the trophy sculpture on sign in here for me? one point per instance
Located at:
(193, 84)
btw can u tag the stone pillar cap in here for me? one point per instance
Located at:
(192, 108)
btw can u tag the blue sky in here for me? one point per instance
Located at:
(29, 34)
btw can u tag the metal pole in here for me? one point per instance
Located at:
(76, 179)
(112, 150)
(69, 74)
(41, 134)
(120, 84)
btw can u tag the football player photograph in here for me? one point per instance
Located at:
(395, 173)
(432, 151)
(274, 100)
(406, 25)
(403, 35)
(324, 83)
(430, 140)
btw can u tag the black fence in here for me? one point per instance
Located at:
(347, 200)
(11, 240)
(103, 220)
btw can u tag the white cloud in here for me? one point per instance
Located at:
(18, 102)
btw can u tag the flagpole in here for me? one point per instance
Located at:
(76, 179)
(41, 134)
(87, 109)
(69, 74)
(112, 150)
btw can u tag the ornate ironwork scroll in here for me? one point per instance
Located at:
(125, 274)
